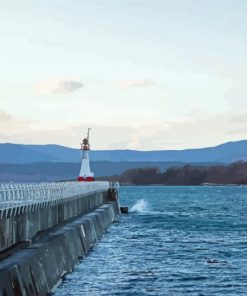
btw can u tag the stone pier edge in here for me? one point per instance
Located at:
(37, 269)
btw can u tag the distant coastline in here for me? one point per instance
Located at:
(210, 165)
(132, 173)
(234, 174)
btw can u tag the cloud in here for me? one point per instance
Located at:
(198, 131)
(65, 87)
(135, 83)
(240, 118)
(11, 126)
(102, 137)
(54, 87)
(5, 117)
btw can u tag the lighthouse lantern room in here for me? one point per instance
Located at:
(85, 173)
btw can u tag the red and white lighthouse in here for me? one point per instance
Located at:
(85, 173)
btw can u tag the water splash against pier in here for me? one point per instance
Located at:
(140, 206)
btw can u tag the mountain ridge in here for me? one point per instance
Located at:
(30, 153)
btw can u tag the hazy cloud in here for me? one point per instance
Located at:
(241, 118)
(11, 126)
(65, 87)
(53, 87)
(5, 117)
(211, 130)
(102, 137)
(135, 83)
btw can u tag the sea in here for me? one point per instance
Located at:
(175, 241)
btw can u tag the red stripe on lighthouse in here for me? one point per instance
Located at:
(87, 179)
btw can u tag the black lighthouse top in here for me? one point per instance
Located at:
(85, 142)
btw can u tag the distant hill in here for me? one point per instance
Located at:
(235, 173)
(57, 171)
(20, 154)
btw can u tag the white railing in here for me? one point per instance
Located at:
(20, 194)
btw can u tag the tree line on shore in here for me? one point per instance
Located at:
(235, 173)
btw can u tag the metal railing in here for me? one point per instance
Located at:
(22, 194)
(114, 185)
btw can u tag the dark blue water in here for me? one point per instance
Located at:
(184, 241)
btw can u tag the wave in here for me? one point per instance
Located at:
(140, 206)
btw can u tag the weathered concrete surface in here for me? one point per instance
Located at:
(27, 221)
(35, 270)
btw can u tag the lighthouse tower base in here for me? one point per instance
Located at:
(85, 179)
(85, 173)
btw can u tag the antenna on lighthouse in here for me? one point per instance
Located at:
(88, 131)
(85, 173)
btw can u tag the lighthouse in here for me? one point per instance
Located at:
(85, 173)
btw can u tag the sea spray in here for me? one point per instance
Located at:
(140, 206)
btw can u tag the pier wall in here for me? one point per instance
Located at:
(27, 210)
(57, 233)
(30, 220)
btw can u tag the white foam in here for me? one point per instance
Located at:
(140, 206)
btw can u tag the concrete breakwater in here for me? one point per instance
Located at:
(57, 235)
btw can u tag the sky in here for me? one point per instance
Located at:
(143, 74)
